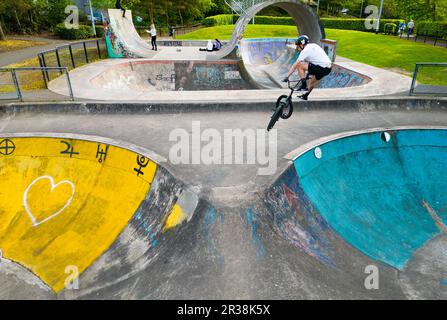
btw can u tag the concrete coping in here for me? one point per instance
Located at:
(296, 153)
(91, 138)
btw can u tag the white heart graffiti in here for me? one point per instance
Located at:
(53, 186)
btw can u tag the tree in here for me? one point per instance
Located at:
(2, 8)
(2, 34)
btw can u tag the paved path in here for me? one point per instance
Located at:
(7, 58)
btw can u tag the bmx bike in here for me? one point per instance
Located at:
(284, 105)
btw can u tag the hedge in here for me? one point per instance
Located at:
(83, 32)
(355, 24)
(219, 20)
(433, 29)
(330, 23)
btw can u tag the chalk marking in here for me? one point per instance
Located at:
(53, 186)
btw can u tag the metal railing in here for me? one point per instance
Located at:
(65, 56)
(19, 92)
(427, 87)
(241, 6)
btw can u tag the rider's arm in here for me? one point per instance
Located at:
(293, 68)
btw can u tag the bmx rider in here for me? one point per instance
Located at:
(313, 61)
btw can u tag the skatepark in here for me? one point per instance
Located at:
(352, 180)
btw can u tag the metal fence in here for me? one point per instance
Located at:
(429, 79)
(11, 87)
(72, 55)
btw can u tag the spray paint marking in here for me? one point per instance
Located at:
(441, 226)
(209, 221)
(251, 221)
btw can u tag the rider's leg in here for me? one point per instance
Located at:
(312, 83)
(303, 68)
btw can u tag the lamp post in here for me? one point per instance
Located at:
(380, 15)
(253, 3)
(92, 17)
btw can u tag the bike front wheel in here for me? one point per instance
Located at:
(287, 107)
(275, 117)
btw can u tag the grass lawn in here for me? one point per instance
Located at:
(381, 51)
(33, 80)
(12, 45)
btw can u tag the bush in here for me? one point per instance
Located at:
(433, 29)
(390, 28)
(83, 32)
(99, 31)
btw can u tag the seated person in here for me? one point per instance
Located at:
(212, 46)
(217, 45)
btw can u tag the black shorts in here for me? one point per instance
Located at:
(318, 71)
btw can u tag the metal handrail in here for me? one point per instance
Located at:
(69, 45)
(416, 71)
(44, 70)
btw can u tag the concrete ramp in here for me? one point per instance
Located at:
(123, 39)
(74, 210)
(267, 61)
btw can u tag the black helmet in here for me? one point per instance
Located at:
(303, 40)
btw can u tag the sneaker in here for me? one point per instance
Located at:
(303, 97)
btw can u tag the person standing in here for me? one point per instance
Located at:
(153, 33)
(118, 6)
(401, 28)
(410, 27)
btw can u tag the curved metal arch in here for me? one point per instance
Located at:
(306, 20)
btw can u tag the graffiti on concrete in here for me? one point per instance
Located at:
(69, 149)
(7, 147)
(296, 219)
(343, 78)
(115, 47)
(209, 76)
(262, 51)
(252, 221)
(163, 78)
(167, 43)
(46, 200)
(142, 163)
(101, 153)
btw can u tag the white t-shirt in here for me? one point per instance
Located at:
(314, 54)
(209, 46)
(153, 32)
